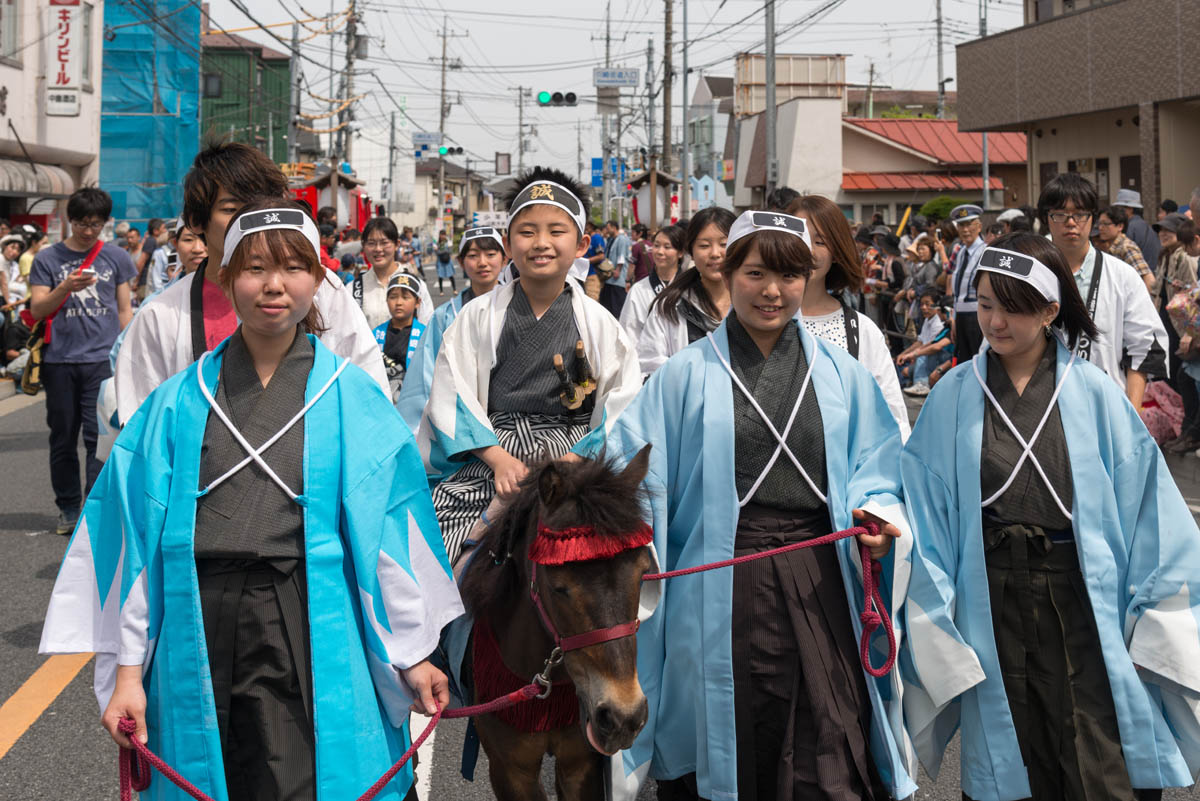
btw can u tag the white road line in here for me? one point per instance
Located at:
(424, 772)
(18, 402)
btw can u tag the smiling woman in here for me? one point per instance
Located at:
(764, 435)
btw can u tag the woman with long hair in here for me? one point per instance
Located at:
(838, 272)
(668, 254)
(755, 685)
(1058, 567)
(697, 300)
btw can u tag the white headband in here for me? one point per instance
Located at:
(751, 222)
(473, 234)
(552, 194)
(267, 220)
(1023, 268)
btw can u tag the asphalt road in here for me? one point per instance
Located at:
(63, 754)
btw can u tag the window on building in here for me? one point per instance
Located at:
(1043, 10)
(10, 21)
(1046, 172)
(212, 84)
(85, 45)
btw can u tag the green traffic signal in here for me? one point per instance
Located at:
(543, 97)
(443, 150)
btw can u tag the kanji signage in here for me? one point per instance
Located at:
(63, 46)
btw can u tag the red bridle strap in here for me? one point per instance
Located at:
(577, 641)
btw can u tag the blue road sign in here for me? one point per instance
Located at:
(598, 172)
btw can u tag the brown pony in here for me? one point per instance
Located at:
(578, 597)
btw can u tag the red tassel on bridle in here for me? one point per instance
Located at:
(582, 544)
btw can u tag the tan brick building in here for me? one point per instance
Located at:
(1106, 88)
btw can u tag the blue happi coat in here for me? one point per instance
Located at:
(1139, 550)
(414, 394)
(414, 338)
(685, 411)
(379, 585)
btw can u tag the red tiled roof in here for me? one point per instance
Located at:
(941, 139)
(903, 181)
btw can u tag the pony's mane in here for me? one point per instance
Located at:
(594, 492)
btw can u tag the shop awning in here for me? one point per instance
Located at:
(20, 179)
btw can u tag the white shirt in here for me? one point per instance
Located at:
(158, 341)
(17, 286)
(930, 329)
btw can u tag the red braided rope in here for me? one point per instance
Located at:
(135, 763)
(139, 759)
(874, 612)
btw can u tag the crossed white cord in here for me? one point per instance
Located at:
(780, 438)
(255, 455)
(1027, 452)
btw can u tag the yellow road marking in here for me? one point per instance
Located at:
(34, 696)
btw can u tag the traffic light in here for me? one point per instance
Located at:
(546, 98)
(449, 151)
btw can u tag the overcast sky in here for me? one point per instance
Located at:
(555, 45)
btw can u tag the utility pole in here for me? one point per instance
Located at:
(684, 169)
(650, 94)
(352, 47)
(579, 149)
(941, 107)
(666, 150)
(769, 111)
(391, 165)
(871, 91)
(293, 96)
(522, 92)
(346, 115)
(606, 148)
(467, 194)
(653, 165)
(986, 179)
(332, 90)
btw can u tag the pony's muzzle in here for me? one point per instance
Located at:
(613, 726)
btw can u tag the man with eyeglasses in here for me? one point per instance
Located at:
(1110, 237)
(90, 308)
(967, 335)
(1132, 347)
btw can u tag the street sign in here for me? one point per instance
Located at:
(613, 167)
(598, 172)
(430, 138)
(615, 76)
(493, 219)
(503, 163)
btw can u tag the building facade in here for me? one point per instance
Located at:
(50, 98)
(245, 92)
(1109, 89)
(876, 165)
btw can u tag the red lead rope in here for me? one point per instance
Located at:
(874, 612)
(136, 762)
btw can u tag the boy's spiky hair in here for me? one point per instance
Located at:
(536, 174)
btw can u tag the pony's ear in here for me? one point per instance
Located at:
(635, 472)
(550, 485)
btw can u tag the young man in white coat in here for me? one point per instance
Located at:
(1132, 346)
(193, 315)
